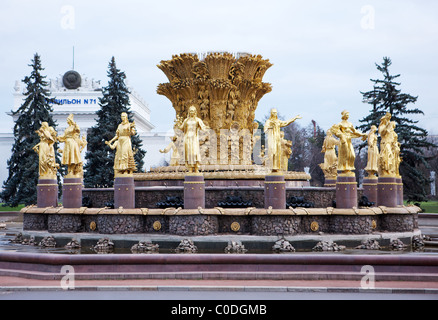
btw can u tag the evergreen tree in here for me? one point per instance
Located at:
(99, 171)
(20, 186)
(315, 137)
(386, 97)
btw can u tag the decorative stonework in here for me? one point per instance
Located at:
(157, 225)
(314, 226)
(235, 226)
(201, 225)
(202, 222)
(120, 224)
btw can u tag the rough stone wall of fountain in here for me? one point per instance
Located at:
(276, 225)
(396, 223)
(352, 225)
(35, 222)
(120, 224)
(196, 225)
(226, 222)
(211, 224)
(64, 223)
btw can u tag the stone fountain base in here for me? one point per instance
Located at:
(218, 176)
(218, 221)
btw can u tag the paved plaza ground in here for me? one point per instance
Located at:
(176, 289)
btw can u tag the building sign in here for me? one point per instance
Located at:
(74, 101)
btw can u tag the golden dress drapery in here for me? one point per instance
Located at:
(272, 129)
(71, 154)
(124, 158)
(191, 127)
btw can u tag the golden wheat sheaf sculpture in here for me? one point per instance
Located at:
(225, 88)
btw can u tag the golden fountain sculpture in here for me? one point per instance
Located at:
(389, 158)
(225, 90)
(345, 131)
(191, 127)
(48, 168)
(275, 146)
(330, 165)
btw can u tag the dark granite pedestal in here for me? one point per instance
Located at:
(72, 193)
(400, 191)
(330, 183)
(47, 193)
(194, 191)
(124, 192)
(346, 191)
(388, 192)
(275, 191)
(370, 189)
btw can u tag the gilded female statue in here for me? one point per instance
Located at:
(191, 127)
(124, 162)
(346, 132)
(387, 157)
(373, 153)
(396, 150)
(45, 149)
(71, 155)
(286, 152)
(272, 128)
(330, 165)
(174, 160)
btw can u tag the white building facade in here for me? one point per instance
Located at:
(80, 97)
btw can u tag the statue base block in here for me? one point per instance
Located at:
(194, 191)
(388, 192)
(400, 197)
(370, 189)
(72, 193)
(47, 193)
(275, 192)
(346, 192)
(330, 183)
(124, 193)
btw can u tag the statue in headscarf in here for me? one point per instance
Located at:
(73, 146)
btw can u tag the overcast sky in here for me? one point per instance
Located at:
(324, 52)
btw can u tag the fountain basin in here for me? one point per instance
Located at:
(221, 267)
(219, 221)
